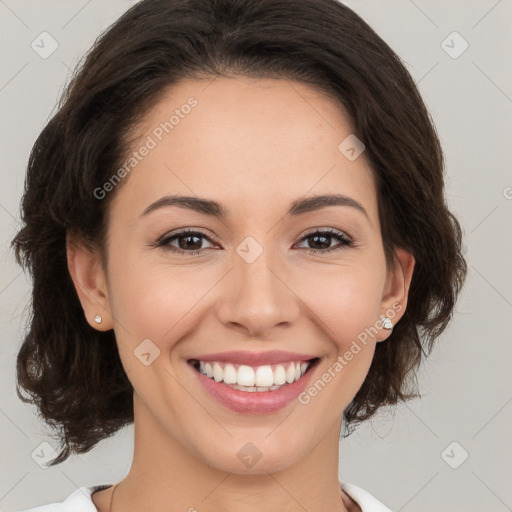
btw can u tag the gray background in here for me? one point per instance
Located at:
(405, 458)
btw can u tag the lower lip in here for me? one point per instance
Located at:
(257, 402)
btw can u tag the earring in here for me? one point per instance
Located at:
(386, 323)
(98, 319)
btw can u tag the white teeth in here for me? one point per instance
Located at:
(264, 376)
(290, 373)
(260, 378)
(297, 371)
(218, 374)
(230, 374)
(252, 389)
(280, 375)
(245, 376)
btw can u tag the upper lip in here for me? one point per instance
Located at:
(253, 358)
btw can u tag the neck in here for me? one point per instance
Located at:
(167, 475)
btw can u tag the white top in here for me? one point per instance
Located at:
(80, 500)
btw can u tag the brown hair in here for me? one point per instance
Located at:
(73, 372)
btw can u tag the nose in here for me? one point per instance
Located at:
(257, 297)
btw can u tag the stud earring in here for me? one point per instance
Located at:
(387, 323)
(98, 319)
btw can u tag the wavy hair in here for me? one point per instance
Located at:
(72, 372)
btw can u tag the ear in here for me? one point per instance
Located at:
(84, 265)
(396, 290)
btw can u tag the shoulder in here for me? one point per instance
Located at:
(79, 501)
(363, 498)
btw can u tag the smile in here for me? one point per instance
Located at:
(249, 382)
(269, 377)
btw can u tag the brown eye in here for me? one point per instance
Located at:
(320, 241)
(188, 242)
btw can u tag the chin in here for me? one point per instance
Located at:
(243, 456)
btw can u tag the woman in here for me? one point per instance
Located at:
(238, 237)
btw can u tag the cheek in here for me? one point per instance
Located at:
(348, 302)
(348, 314)
(150, 315)
(156, 301)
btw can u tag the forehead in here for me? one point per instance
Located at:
(243, 142)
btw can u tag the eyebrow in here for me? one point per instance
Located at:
(215, 209)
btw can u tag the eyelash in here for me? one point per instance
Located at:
(343, 239)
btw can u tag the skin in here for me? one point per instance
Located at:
(254, 146)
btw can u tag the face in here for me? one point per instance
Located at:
(277, 279)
